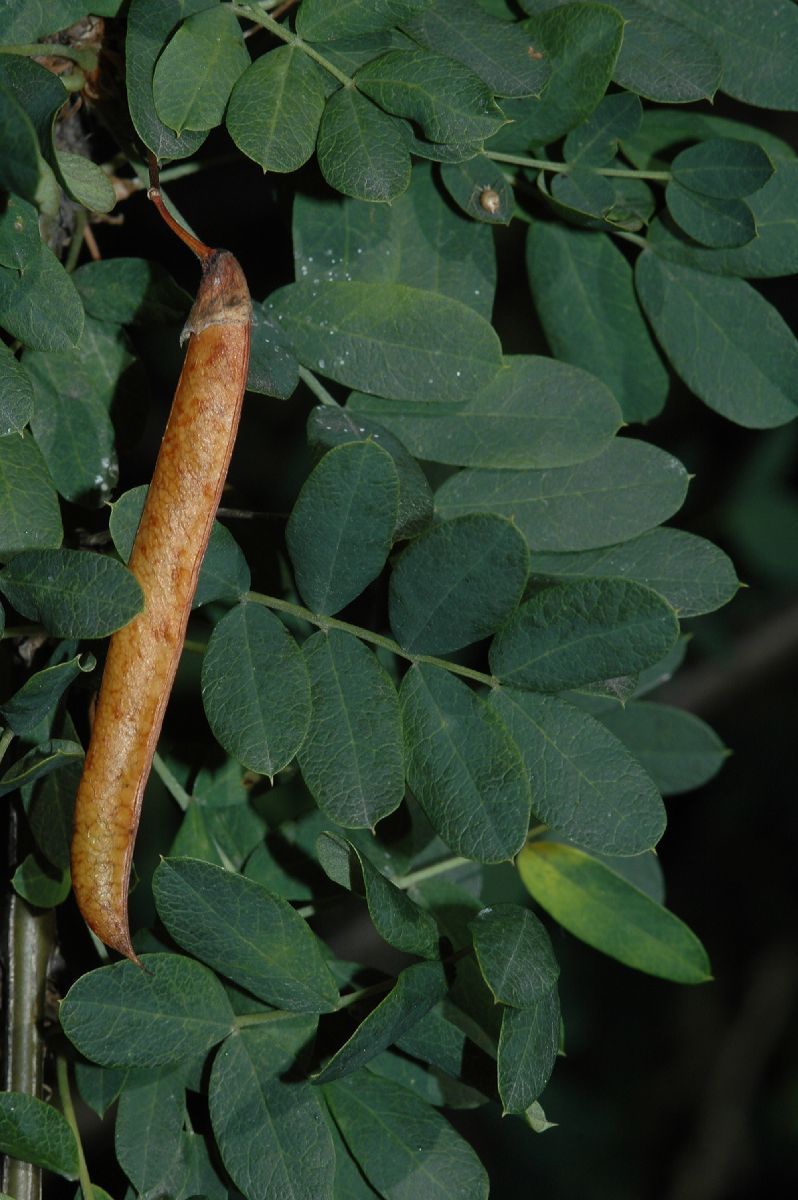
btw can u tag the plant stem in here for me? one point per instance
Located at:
(401, 881)
(12, 631)
(170, 781)
(430, 871)
(634, 238)
(6, 738)
(536, 831)
(541, 164)
(630, 173)
(195, 647)
(366, 635)
(87, 59)
(73, 254)
(317, 387)
(292, 39)
(28, 938)
(65, 1096)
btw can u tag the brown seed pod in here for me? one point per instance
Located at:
(490, 200)
(166, 558)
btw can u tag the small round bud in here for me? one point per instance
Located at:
(490, 200)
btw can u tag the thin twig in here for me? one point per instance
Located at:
(366, 635)
(28, 939)
(65, 1096)
(756, 657)
(170, 781)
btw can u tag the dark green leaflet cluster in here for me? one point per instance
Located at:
(476, 590)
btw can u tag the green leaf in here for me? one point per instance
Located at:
(664, 60)
(21, 164)
(41, 884)
(41, 760)
(74, 396)
(395, 916)
(73, 593)
(49, 806)
(41, 94)
(536, 412)
(273, 370)
(583, 632)
(581, 43)
(225, 835)
(41, 692)
(440, 1040)
(585, 783)
(764, 74)
(236, 927)
(21, 21)
(403, 1147)
(595, 141)
(195, 75)
(641, 870)
(255, 689)
(29, 512)
(708, 220)
(130, 291)
(599, 907)
(98, 1086)
(352, 759)
(726, 168)
(747, 368)
(389, 339)
(170, 1012)
(149, 1126)
(318, 20)
(416, 990)
(269, 1127)
(362, 151)
(515, 955)
(480, 188)
(626, 490)
(443, 96)
(420, 240)
(679, 751)
(350, 53)
(348, 1183)
(85, 181)
(16, 394)
(457, 583)
(773, 252)
(528, 1047)
(275, 109)
(633, 206)
(583, 291)
(19, 233)
(224, 574)
(496, 51)
(463, 767)
(41, 307)
(149, 24)
(203, 1177)
(692, 574)
(664, 670)
(37, 1133)
(581, 192)
(330, 426)
(340, 530)
(444, 152)
(432, 1085)
(664, 130)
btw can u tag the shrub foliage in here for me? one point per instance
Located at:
(467, 753)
